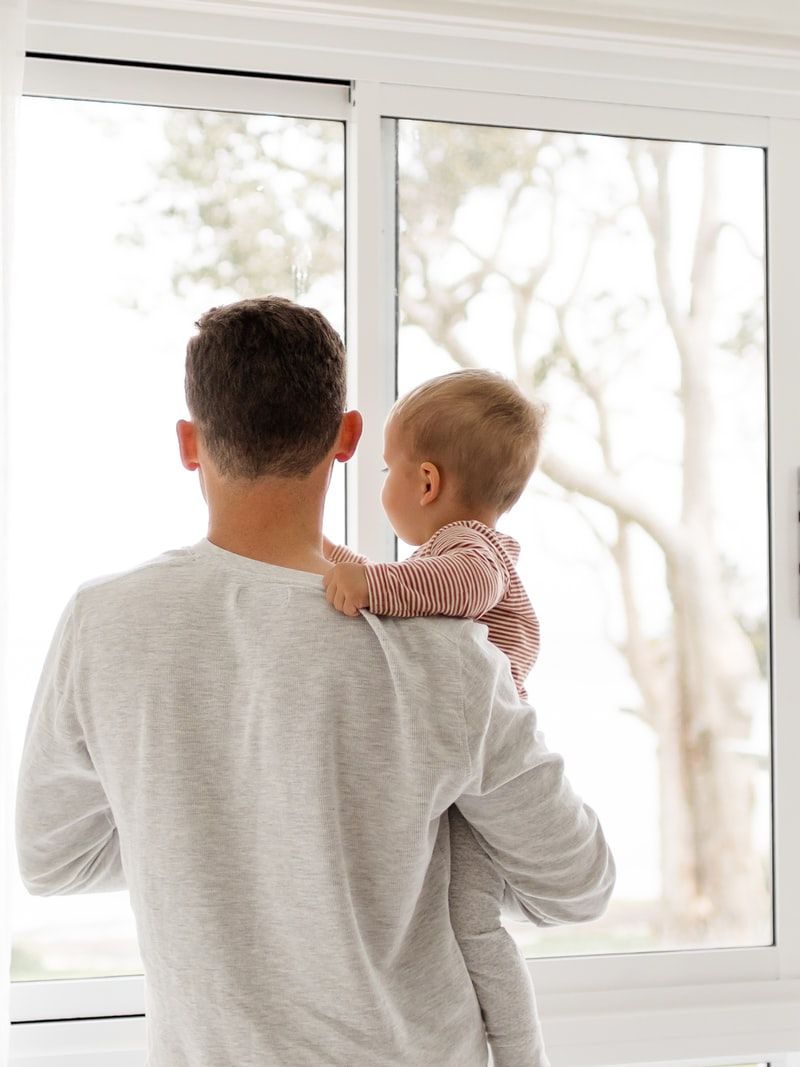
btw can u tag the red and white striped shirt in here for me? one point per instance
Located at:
(466, 570)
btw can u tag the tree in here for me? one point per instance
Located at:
(253, 221)
(693, 676)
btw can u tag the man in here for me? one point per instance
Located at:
(267, 777)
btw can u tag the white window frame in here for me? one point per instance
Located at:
(731, 1005)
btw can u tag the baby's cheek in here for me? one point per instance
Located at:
(386, 496)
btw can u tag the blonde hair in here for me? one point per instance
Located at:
(477, 426)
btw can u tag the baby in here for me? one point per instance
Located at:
(459, 451)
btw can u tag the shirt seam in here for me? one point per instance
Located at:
(73, 655)
(463, 703)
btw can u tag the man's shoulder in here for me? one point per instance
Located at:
(484, 666)
(455, 647)
(451, 661)
(427, 629)
(148, 575)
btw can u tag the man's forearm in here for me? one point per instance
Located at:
(67, 841)
(546, 843)
(551, 852)
(59, 855)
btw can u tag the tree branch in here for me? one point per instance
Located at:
(429, 318)
(655, 208)
(757, 255)
(638, 652)
(608, 489)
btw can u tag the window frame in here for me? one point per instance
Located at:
(614, 1009)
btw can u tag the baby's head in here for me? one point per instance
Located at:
(460, 446)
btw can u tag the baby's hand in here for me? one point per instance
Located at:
(346, 587)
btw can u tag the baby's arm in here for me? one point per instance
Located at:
(344, 584)
(341, 553)
(465, 582)
(463, 578)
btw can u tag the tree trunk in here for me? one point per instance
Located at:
(714, 886)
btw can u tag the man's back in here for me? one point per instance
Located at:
(276, 775)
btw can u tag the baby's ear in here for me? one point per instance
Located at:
(431, 482)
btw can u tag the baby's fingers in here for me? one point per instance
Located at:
(339, 601)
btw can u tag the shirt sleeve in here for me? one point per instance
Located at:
(67, 840)
(343, 554)
(463, 577)
(546, 843)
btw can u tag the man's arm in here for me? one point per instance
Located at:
(547, 844)
(67, 840)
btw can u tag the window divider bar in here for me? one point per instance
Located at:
(783, 236)
(371, 285)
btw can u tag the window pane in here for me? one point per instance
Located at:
(132, 222)
(622, 281)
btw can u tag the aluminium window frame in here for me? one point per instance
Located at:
(603, 1009)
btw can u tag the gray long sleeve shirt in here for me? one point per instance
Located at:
(268, 779)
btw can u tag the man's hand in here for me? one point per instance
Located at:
(346, 587)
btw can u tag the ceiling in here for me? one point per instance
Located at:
(769, 15)
(745, 22)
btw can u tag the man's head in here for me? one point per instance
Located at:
(265, 386)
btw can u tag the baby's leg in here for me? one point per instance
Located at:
(495, 964)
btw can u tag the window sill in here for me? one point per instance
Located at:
(737, 1021)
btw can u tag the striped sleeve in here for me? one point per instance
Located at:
(466, 581)
(343, 554)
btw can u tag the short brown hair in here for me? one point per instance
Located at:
(265, 383)
(478, 426)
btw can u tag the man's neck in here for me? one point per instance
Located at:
(280, 524)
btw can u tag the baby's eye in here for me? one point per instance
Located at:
(385, 470)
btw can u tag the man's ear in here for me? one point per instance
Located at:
(187, 444)
(350, 431)
(431, 482)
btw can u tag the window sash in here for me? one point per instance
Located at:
(123, 84)
(589, 998)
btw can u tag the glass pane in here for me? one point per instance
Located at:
(622, 281)
(132, 222)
